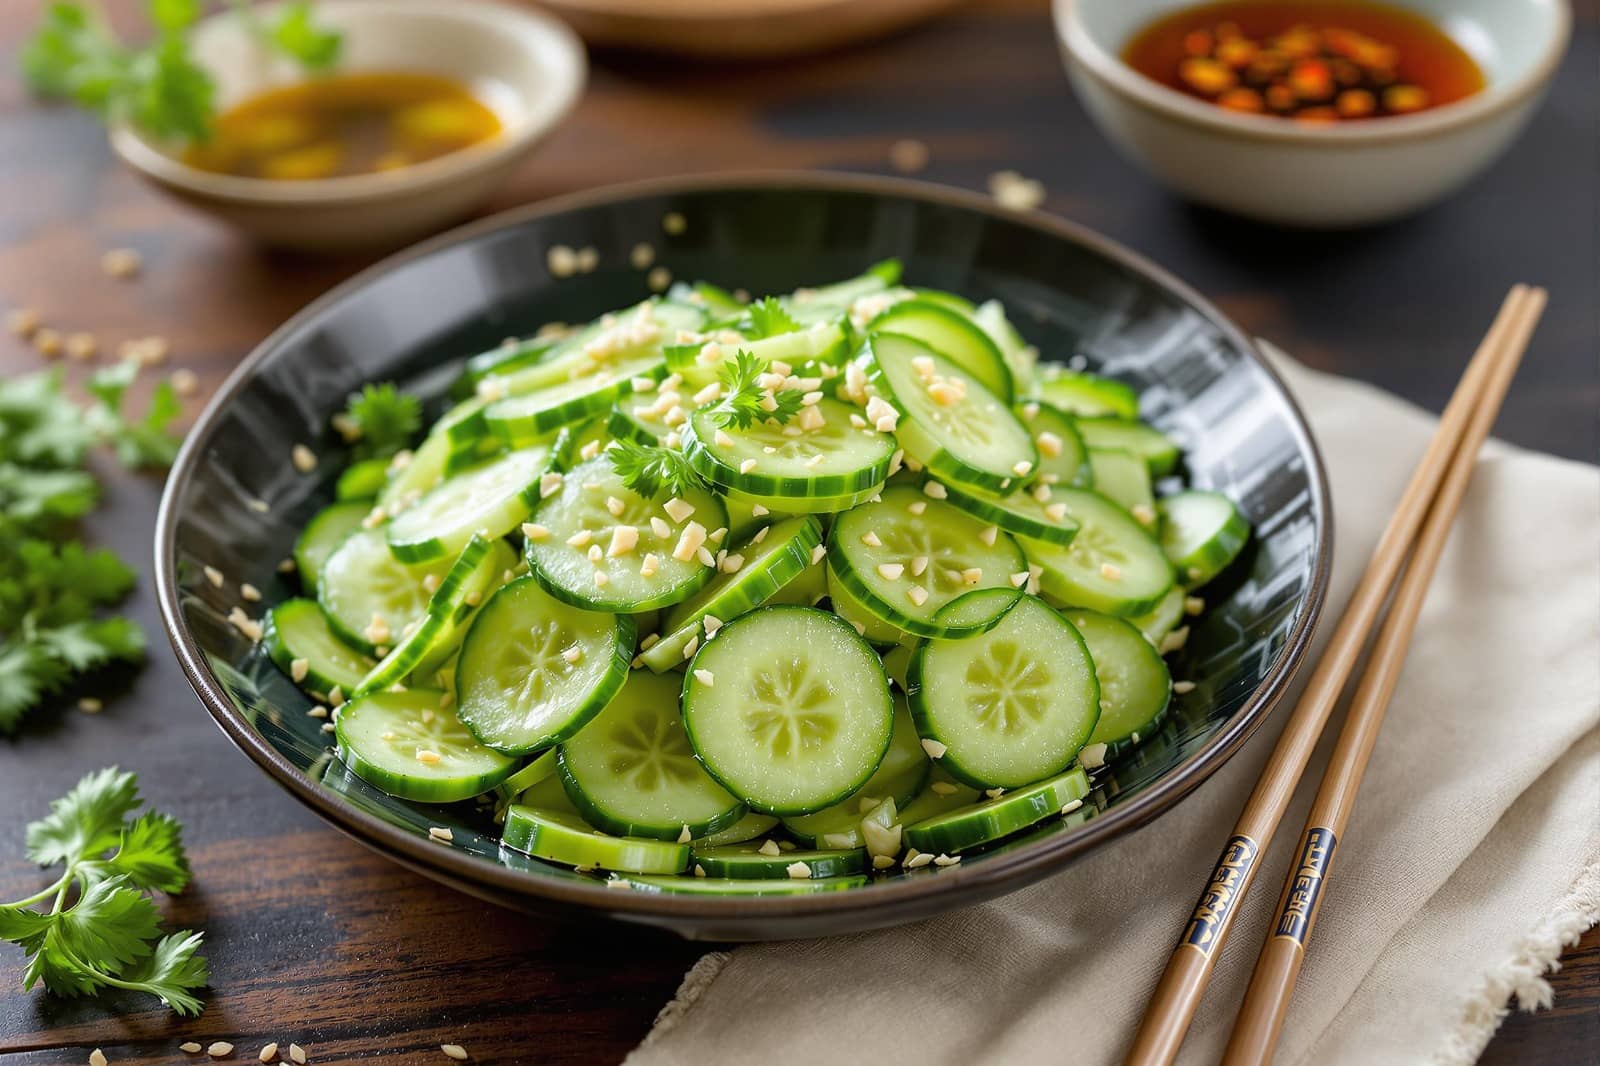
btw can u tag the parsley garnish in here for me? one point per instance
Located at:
(745, 402)
(381, 419)
(768, 318)
(650, 469)
(101, 929)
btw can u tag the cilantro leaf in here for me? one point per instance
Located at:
(150, 855)
(297, 36)
(86, 821)
(30, 499)
(27, 675)
(651, 470)
(141, 441)
(39, 426)
(768, 318)
(383, 419)
(172, 972)
(745, 401)
(109, 924)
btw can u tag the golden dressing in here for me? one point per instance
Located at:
(345, 124)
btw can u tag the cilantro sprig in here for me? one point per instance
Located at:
(651, 469)
(380, 420)
(768, 318)
(745, 401)
(95, 927)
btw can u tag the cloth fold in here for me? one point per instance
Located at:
(1473, 855)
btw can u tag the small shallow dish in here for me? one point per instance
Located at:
(1324, 176)
(413, 317)
(527, 67)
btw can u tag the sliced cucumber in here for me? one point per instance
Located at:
(1124, 479)
(515, 355)
(940, 795)
(606, 345)
(297, 631)
(406, 745)
(1010, 706)
(1151, 445)
(1201, 532)
(1087, 394)
(1135, 685)
(960, 431)
(1021, 357)
(458, 431)
(818, 342)
(788, 505)
(362, 480)
(899, 777)
(1063, 457)
(541, 767)
(1163, 618)
(534, 670)
(631, 772)
(634, 418)
(1113, 565)
(788, 708)
(556, 836)
(370, 597)
(522, 419)
(582, 515)
(325, 532)
(780, 556)
(706, 886)
(1027, 514)
(753, 824)
(764, 459)
(953, 335)
(580, 442)
(747, 862)
(927, 552)
(983, 823)
(489, 501)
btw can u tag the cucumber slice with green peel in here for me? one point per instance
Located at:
(899, 777)
(1124, 479)
(1089, 395)
(625, 422)
(960, 431)
(956, 831)
(742, 861)
(579, 443)
(788, 708)
(819, 342)
(790, 505)
(504, 359)
(477, 454)
(1151, 445)
(541, 768)
(370, 597)
(548, 794)
(1135, 685)
(607, 344)
(488, 501)
(557, 836)
(780, 556)
(940, 795)
(327, 529)
(952, 300)
(594, 509)
(953, 335)
(406, 745)
(826, 301)
(297, 631)
(896, 661)
(1021, 357)
(1201, 532)
(708, 886)
(1063, 457)
(975, 612)
(807, 589)
(1113, 565)
(470, 578)
(832, 458)
(524, 418)
(927, 552)
(630, 771)
(1030, 513)
(717, 301)
(362, 480)
(753, 824)
(1010, 706)
(534, 670)
(1163, 618)
(846, 605)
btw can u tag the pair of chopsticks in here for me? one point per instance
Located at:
(1418, 530)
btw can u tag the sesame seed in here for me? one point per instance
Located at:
(747, 466)
(336, 697)
(122, 263)
(690, 648)
(81, 346)
(549, 485)
(220, 1049)
(798, 870)
(456, 1051)
(916, 859)
(22, 321)
(935, 490)
(1183, 688)
(1049, 443)
(298, 668)
(658, 279)
(1056, 512)
(441, 833)
(1014, 192)
(428, 758)
(818, 553)
(769, 848)
(946, 860)
(1042, 493)
(1070, 806)
(1021, 467)
(534, 531)
(572, 654)
(1175, 640)
(304, 459)
(641, 256)
(934, 748)
(268, 1053)
(705, 677)
(1193, 605)
(250, 592)
(561, 261)
(1194, 573)
(190, 1047)
(97, 1058)
(677, 510)
(1111, 571)
(917, 506)
(298, 1054)
(917, 594)
(989, 535)
(588, 258)
(90, 705)
(615, 506)
(882, 862)
(319, 712)
(244, 624)
(214, 576)
(674, 223)
(1092, 757)
(891, 571)
(944, 788)
(1144, 514)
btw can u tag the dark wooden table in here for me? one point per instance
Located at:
(315, 940)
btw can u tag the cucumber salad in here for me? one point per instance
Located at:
(714, 595)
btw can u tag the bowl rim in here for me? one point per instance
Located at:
(1495, 98)
(526, 26)
(958, 885)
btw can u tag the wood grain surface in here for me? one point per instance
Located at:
(312, 938)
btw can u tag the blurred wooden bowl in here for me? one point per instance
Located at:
(738, 29)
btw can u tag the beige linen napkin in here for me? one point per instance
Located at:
(1473, 855)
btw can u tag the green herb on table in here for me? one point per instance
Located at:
(96, 928)
(158, 87)
(746, 401)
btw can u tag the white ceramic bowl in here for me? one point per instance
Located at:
(528, 67)
(1344, 174)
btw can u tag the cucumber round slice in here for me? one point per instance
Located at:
(541, 768)
(548, 794)
(787, 461)
(605, 345)
(1151, 445)
(1027, 514)
(582, 515)
(322, 535)
(476, 570)
(788, 708)
(846, 605)
(573, 443)
(370, 597)
(964, 433)
(1063, 457)
(1163, 618)
(753, 824)
(806, 590)
(458, 431)
(940, 795)
(746, 862)
(488, 501)
(362, 480)
(1124, 479)
(556, 836)
(521, 419)
(927, 552)
(787, 505)
(1089, 395)
(631, 771)
(1201, 532)
(634, 418)
(297, 631)
(706, 886)
(976, 612)
(899, 777)
(1113, 565)
(1021, 357)
(953, 335)
(503, 359)
(1135, 685)
(1010, 706)
(404, 744)
(818, 342)
(780, 556)
(533, 670)
(983, 823)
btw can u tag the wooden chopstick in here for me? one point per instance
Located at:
(1260, 1020)
(1178, 994)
